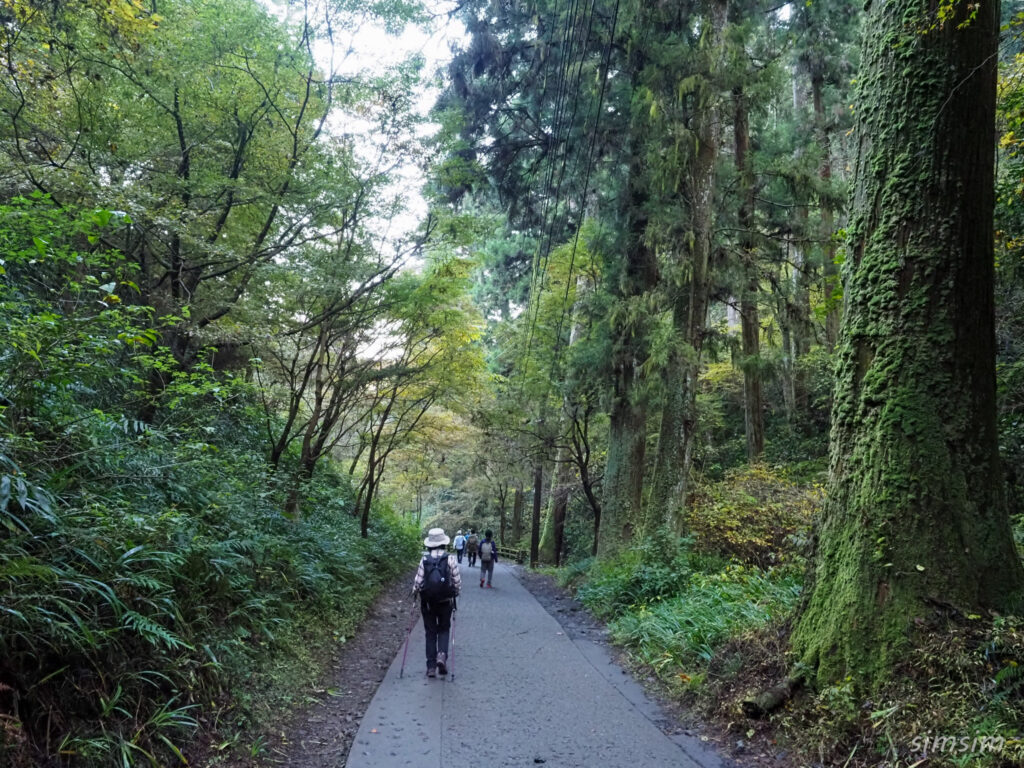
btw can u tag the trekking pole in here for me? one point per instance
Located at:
(407, 636)
(451, 649)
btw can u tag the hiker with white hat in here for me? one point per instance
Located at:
(437, 583)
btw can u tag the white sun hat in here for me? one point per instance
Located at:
(436, 538)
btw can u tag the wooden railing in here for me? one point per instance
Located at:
(515, 555)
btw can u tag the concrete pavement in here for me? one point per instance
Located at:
(522, 693)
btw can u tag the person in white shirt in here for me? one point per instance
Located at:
(460, 545)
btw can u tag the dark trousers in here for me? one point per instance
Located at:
(458, 555)
(472, 557)
(437, 623)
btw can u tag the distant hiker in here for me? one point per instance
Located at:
(460, 545)
(472, 541)
(437, 583)
(488, 557)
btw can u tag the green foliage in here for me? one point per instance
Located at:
(142, 613)
(684, 630)
(146, 570)
(959, 683)
(657, 569)
(755, 514)
(673, 606)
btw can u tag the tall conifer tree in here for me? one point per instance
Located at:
(916, 511)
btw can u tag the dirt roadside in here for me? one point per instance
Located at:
(320, 734)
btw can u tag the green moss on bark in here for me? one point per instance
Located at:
(915, 512)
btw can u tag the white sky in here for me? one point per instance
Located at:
(369, 49)
(374, 50)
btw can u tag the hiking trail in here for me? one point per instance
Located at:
(524, 692)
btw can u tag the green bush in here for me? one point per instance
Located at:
(755, 515)
(683, 631)
(120, 622)
(659, 568)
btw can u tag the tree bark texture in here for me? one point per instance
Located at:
(502, 517)
(624, 471)
(538, 492)
(750, 323)
(627, 429)
(690, 302)
(553, 536)
(916, 505)
(517, 516)
(830, 274)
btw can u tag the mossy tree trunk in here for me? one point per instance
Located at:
(633, 277)
(916, 509)
(502, 495)
(627, 442)
(750, 322)
(830, 275)
(538, 492)
(691, 278)
(517, 515)
(552, 536)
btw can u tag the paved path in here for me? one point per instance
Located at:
(522, 694)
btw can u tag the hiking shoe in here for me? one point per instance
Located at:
(442, 666)
(431, 672)
(481, 582)
(490, 587)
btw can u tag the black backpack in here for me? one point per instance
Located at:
(437, 585)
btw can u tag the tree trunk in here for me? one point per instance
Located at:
(595, 505)
(753, 406)
(800, 316)
(690, 303)
(553, 535)
(784, 318)
(517, 516)
(630, 277)
(624, 471)
(561, 504)
(830, 275)
(502, 517)
(915, 512)
(627, 429)
(538, 492)
(580, 442)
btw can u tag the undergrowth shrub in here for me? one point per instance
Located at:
(672, 605)
(682, 632)
(674, 602)
(660, 567)
(120, 623)
(574, 573)
(755, 515)
(954, 699)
